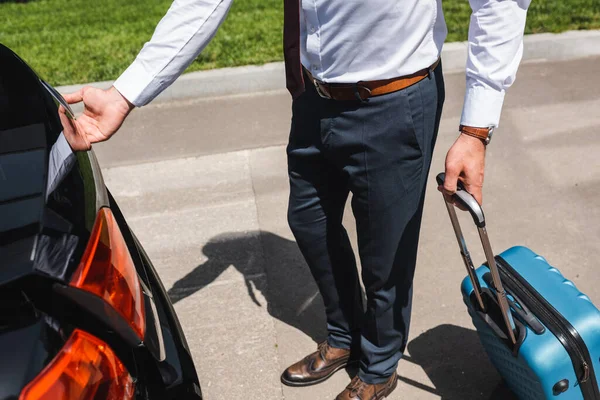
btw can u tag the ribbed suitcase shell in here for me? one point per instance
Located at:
(542, 361)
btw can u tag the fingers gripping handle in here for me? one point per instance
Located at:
(466, 200)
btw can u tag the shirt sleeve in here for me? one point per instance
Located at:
(495, 48)
(180, 36)
(61, 161)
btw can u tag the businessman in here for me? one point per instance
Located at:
(368, 90)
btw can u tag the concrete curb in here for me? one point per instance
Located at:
(251, 79)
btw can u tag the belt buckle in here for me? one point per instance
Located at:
(357, 93)
(320, 92)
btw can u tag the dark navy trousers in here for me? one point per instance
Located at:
(379, 150)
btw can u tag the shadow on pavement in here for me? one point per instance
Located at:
(451, 355)
(265, 260)
(455, 362)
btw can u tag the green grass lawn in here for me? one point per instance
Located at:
(74, 41)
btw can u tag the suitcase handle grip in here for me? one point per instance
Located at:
(466, 200)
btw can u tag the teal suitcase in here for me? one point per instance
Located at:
(540, 332)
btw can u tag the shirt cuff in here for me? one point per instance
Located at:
(133, 83)
(482, 107)
(62, 148)
(61, 160)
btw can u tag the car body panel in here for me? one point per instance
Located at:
(36, 343)
(43, 235)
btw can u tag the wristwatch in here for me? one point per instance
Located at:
(484, 134)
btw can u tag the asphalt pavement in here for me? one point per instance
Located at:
(203, 184)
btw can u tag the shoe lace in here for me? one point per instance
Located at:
(357, 388)
(322, 349)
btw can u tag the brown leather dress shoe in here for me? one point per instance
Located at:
(316, 367)
(359, 390)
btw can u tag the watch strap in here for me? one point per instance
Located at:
(480, 133)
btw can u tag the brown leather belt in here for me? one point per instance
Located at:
(364, 89)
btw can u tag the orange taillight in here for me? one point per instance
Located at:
(107, 271)
(86, 368)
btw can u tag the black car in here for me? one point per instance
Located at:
(83, 313)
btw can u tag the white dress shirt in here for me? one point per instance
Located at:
(348, 41)
(60, 162)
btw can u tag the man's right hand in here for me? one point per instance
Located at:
(104, 112)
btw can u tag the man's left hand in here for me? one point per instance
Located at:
(465, 161)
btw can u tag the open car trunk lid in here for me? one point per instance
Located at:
(28, 123)
(23, 171)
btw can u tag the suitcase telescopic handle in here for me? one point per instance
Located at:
(468, 202)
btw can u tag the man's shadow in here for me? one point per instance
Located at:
(266, 261)
(457, 365)
(451, 356)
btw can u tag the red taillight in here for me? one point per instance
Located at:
(86, 368)
(107, 271)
